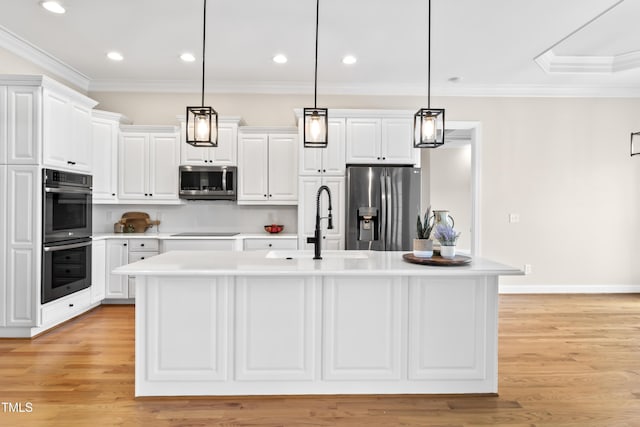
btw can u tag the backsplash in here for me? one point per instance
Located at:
(201, 216)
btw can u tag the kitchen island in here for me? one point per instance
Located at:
(279, 322)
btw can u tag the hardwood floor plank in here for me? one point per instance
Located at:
(564, 360)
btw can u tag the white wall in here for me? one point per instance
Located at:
(562, 164)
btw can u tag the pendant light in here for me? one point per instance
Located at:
(315, 119)
(635, 143)
(202, 122)
(428, 123)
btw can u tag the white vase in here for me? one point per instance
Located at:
(423, 248)
(447, 251)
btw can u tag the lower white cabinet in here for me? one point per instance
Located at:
(198, 245)
(262, 244)
(117, 286)
(98, 270)
(65, 308)
(140, 249)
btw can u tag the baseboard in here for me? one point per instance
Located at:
(569, 289)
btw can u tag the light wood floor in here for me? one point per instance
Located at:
(565, 360)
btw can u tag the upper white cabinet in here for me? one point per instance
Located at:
(20, 121)
(380, 140)
(148, 158)
(225, 154)
(329, 160)
(105, 128)
(268, 166)
(66, 131)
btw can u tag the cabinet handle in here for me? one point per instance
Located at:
(270, 245)
(324, 170)
(145, 194)
(264, 195)
(124, 244)
(270, 195)
(150, 194)
(113, 194)
(318, 170)
(324, 237)
(378, 158)
(141, 257)
(69, 162)
(70, 305)
(384, 158)
(141, 244)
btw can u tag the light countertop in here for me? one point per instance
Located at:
(257, 263)
(172, 236)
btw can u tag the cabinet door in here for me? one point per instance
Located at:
(79, 145)
(3, 240)
(196, 156)
(105, 166)
(117, 255)
(132, 161)
(331, 239)
(283, 167)
(225, 154)
(363, 140)
(20, 131)
(56, 130)
(4, 115)
(163, 167)
(307, 204)
(333, 157)
(98, 270)
(253, 168)
(397, 141)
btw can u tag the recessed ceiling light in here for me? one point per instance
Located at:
(187, 57)
(115, 56)
(349, 60)
(53, 6)
(280, 59)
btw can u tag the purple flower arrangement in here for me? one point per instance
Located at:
(446, 235)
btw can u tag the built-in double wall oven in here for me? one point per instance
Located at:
(66, 251)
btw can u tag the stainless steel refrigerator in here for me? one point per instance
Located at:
(382, 207)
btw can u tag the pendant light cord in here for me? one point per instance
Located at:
(315, 84)
(204, 31)
(428, 58)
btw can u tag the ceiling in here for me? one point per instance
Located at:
(493, 47)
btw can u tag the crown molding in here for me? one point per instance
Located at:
(557, 64)
(21, 47)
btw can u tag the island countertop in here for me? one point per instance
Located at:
(273, 263)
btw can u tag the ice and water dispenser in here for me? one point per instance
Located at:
(367, 224)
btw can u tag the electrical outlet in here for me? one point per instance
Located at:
(528, 269)
(514, 217)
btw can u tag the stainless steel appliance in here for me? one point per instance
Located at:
(208, 182)
(66, 251)
(382, 206)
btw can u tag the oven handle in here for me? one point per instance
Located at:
(67, 190)
(65, 247)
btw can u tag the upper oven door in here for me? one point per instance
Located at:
(67, 213)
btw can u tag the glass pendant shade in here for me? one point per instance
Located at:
(315, 127)
(635, 143)
(202, 127)
(428, 125)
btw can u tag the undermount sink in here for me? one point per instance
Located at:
(324, 254)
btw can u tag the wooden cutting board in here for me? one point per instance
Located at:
(437, 260)
(139, 220)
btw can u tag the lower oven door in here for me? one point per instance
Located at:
(66, 268)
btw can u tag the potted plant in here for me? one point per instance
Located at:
(447, 236)
(423, 245)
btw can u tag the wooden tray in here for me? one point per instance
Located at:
(437, 260)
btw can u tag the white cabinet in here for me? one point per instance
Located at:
(380, 140)
(331, 238)
(22, 243)
(20, 121)
(329, 160)
(105, 128)
(198, 245)
(98, 270)
(225, 154)
(66, 131)
(3, 241)
(140, 249)
(267, 166)
(117, 286)
(148, 160)
(256, 244)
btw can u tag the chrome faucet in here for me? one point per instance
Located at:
(317, 238)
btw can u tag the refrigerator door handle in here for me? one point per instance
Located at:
(383, 210)
(389, 244)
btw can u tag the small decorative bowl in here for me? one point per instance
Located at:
(273, 228)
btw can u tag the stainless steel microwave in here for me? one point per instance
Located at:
(208, 182)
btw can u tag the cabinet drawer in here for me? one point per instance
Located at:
(198, 245)
(259, 244)
(143, 245)
(66, 307)
(138, 256)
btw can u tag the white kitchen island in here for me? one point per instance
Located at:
(256, 323)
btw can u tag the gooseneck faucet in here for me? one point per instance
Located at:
(317, 238)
